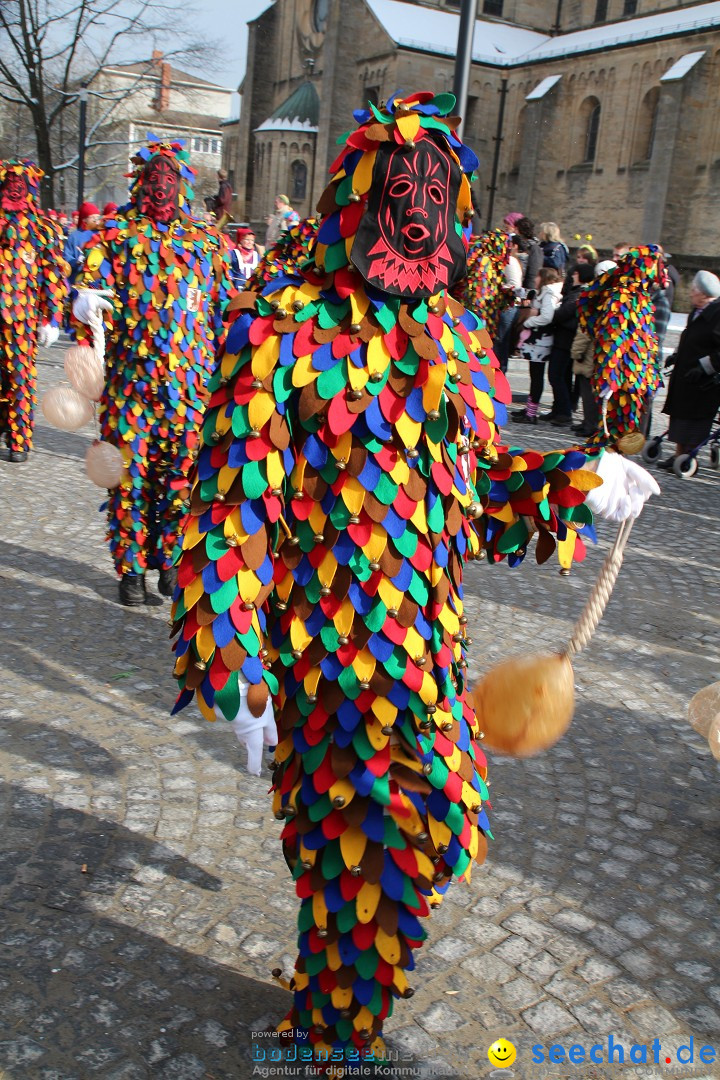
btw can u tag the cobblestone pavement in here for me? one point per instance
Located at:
(144, 899)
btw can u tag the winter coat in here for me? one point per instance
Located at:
(533, 264)
(697, 399)
(582, 353)
(547, 302)
(74, 252)
(565, 319)
(555, 255)
(538, 345)
(662, 316)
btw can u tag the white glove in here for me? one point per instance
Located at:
(253, 732)
(91, 303)
(606, 393)
(48, 335)
(626, 487)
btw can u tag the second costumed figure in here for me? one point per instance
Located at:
(169, 274)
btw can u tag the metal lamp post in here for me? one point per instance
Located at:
(463, 59)
(83, 95)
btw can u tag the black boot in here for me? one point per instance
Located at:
(18, 455)
(167, 581)
(132, 590)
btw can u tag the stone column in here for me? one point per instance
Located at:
(661, 163)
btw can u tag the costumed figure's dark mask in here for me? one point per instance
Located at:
(159, 191)
(407, 244)
(14, 192)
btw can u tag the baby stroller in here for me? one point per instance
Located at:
(685, 465)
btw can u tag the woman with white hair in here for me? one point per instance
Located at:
(693, 396)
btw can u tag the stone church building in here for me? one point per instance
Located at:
(604, 112)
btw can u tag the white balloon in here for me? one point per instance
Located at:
(104, 464)
(66, 408)
(85, 371)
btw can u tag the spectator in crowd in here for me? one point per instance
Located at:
(525, 228)
(662, 314)
(693, 396)
(245, 257)
(586, 253)
(582, 352)
(222, 202)
(564, 325)
(555, 251)
(284, 219)
(514, 274)
(510, 221)
(536, 348)
(673, 279)
(89, 222)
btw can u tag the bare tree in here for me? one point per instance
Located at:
(51, 49)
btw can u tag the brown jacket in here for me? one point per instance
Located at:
(581, 352)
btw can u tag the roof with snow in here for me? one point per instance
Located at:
(436, 30)
(151, 69)
(299, 112)
(502, 45)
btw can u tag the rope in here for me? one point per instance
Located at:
(95, 322)
(594, 609)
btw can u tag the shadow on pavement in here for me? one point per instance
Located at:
(59, 443)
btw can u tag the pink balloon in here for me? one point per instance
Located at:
(66, 408)
(85, 371)
(104, 464)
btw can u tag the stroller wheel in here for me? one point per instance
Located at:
(685, 466)
(651, 450)
(714, 456)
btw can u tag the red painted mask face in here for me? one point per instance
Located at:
(14, 193)
(406, 243)
(159, 191)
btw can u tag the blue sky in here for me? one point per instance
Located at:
(227, 19)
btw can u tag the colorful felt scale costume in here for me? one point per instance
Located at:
(170, 278)
(618, 313)
(33, 289)
(486, 291)
(350, 464)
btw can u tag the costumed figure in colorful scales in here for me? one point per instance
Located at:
(617, 311)
(33, 289)
(169, 277)
(350, 464)
(486, 291)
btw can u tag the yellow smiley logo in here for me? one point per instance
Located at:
(502, 1054)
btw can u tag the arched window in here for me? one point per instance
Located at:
(591, 112)
(601, 9)
(647, 124)
(298, 172)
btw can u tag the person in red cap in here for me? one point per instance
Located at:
(109, 209)
(89, 222)
(246, 256)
